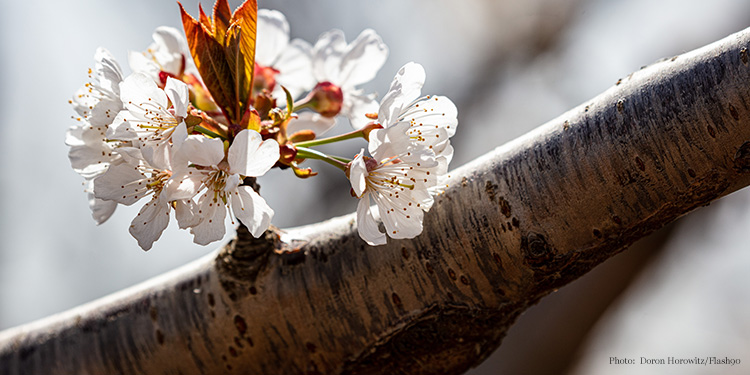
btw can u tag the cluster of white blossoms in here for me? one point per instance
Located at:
(204, 114)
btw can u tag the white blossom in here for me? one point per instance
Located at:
(90, 154)
(206, 168)
(132, 142)
(432, 119)
(279, 61)
(151, 116)
(348, 66)
(397, 179)
(96, 103)
(167, 56)
(130, 180)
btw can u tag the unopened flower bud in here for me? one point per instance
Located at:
(369, 128)
(287, 153)
(327, 99)
(264, 103)
(302, 136)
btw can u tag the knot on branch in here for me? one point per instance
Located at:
(536, 251)
(241, 261)
(244, 256)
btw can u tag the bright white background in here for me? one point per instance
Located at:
(694, 301)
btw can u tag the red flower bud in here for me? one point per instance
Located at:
(327, 99)
(287, 153)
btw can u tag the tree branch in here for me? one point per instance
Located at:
(514, 225)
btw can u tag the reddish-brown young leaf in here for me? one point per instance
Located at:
(211, 60)
(204, 20)
(245, 20)
(236, 62)
(222, 16)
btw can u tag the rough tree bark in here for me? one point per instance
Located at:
(514, 225)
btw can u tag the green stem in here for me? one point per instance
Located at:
(307, 153)
(207, 132)
(338, 138)
(339, 158)
(303, 103)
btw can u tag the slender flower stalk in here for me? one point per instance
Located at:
(307, 153)
(323, 141)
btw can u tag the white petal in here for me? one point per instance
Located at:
(410, 79)
(252, 210)
(140, 63)
(179, 135)
(178, 93)
(295, 68)
(249, 155)
(357, 105)
(389, 142)
(327, 54)
(358, 174)
(104, 111)
(98, 107)
(211, 227)
(420, 156)
(150, 222)
(185, 213)
(201, 150)
(367, 227)
(405, 88)
(82, 101)
(130, 155)
(169, 39)
(423, 197)
(184, 184)
(74, 135)
(444, 158)
(435, 112)
(363, 59)
(121, 183)
(272, 36)
(99, 101)
(400, 219)
(232, 182)
(101, 210)
(156, 154)
(168, 50)
(310, 121)
(140, 94)
(86, 159)
(122, 127)
(108, 70)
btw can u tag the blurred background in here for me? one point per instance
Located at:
(508, 65)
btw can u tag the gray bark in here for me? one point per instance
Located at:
(513, 226)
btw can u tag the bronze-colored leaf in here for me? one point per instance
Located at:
(222, 16)
(246, 19)
(236, 63)
(204, 20)
(211, 60)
